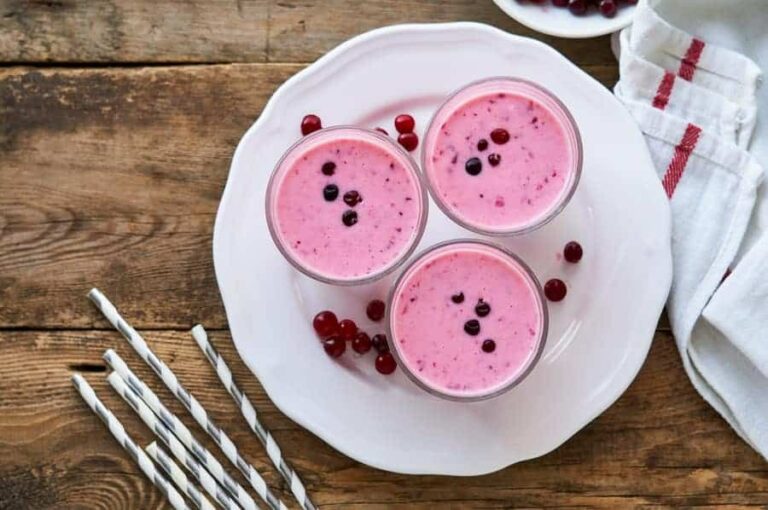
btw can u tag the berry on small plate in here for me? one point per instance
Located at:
(576, 19)
(355, 393)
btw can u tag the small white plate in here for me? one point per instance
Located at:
(599, 336)
(558, 21)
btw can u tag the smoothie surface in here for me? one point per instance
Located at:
(429, 324)
(498, 185)
(347, 236)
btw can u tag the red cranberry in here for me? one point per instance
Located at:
(380, 343)
(325, 324)
(334, 346)
(352, 198)
(555, 289)
(385, 363)
(482, 145)
(409, 141)
(608, 8)
(560, 3)
(494, 159)
(361, 343)
(573, 252)
(482, 309)
(310, 124)
(329, 167)
(404, 124)
(382, 131)
(473, 166)
(489, 345)
(349, 218)
(347, 330)
(375, 310)
(577, 7)
(500, 136)
(472, 327)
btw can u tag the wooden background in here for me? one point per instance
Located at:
(117, 124)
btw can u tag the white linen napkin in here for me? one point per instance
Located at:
(696, 102)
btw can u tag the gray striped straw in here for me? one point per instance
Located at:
(122, 437)
(197, 411)
(249, 413)
(170, 420)
(175, 473)
(166, 436)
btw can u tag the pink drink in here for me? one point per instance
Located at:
(434, 303)
(504, 184)
(345, 205)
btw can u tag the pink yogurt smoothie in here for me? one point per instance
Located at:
(431, 319)
(509, 181)
(345, 205)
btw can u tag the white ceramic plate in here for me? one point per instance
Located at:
(557, 21)
(599, 336)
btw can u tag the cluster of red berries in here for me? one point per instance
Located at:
(404, 124)
(607, 8)
(335, 334)
(555, 289)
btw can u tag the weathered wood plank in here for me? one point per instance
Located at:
(222, 31)
(303, 30)
(111, 178)
(137, 31)
(659, 446)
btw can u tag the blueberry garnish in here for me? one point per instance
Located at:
(458, 298)
(489, 345)
(329, 168)
(473, 166)
(472, 327)
(482, 308)
(482, 144)
(494, 159)
(352, 198)
(349, 218)
(330, 192)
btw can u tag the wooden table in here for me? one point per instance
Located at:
(117, 127)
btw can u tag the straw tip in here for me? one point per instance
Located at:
(77, 379)
(93, 292)
(198, 329)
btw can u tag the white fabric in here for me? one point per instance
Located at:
(721, 329)
(709, 110)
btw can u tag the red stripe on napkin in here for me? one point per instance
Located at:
(664, 91)
(682, 152)
(691, 59)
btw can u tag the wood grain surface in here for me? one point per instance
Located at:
(117, 124)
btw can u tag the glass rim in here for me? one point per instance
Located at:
(565, 197)
(538, 292)
(411, 166)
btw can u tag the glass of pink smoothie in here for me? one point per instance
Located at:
(502, 156)
(346, 205)
(467, 320)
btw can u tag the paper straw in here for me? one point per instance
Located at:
(249, 413)
(187, 399)
(198, 472)
(172, 470)
(117, 430)
(172, 422)
(168, 439)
